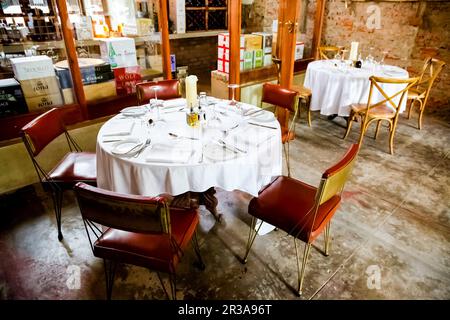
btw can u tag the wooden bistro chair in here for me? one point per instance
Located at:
(75, 166)
(421, 91)
(287, 99)
(328, 52)
(167, 89)
(385, 110)
(304, 94)
(137, 230)
(301, 210)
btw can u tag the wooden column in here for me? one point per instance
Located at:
(234, 27)
(163, 22)
(318, 25)
(287, 28)
(72, 58)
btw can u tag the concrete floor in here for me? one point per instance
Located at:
(393, 226)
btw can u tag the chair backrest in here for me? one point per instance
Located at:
(326, 51)
(376, 84)
(131, 213)
(279, 96)
(42, 130)
(167, 89)
(431, 69)
(334, 178)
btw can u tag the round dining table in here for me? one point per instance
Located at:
(152, 151)
(335, 85)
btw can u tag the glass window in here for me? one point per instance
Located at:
(206, 15)
(31, 46)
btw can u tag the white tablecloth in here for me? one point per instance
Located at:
(335, 89)
(247, 172)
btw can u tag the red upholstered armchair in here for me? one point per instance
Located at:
(166, 89)
(303, 211)
(287, 99)
(143, 231)
(74, 167)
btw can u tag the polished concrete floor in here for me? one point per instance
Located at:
(390, 238)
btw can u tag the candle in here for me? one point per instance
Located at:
(191, 91)
(354, 51)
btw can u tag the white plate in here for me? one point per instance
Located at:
(263, 116)
(133, 111)
(127, 147)
(216, 152)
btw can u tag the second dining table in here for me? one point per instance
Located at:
(151, 151)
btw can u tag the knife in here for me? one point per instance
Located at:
(177, 136)
(261, 125)
(231, 148)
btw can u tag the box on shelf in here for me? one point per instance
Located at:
(126, 79)
(223, 40)
(223, 66)
(268, 60)
(266, 41)
(44, 101)
(68, 96)
(40, 86)
(252, 42)
(219, 84)
(299, 47)
(89, 75)
(83, 28)
(248, 60)
(177, 13)
(33, 67)
(118, 52)
(144, 26)
(99, 91)
(12, 101)
(258, 58)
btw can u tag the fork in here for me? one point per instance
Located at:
(147, 143)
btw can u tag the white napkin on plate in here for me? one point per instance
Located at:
(119, 128)
(251, 136)
(172, 103)
(177, 153)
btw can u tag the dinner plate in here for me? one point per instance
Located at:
(262, 116)
(216, 152)
(133, 111)
(127, 147)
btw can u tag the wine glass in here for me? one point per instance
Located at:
(154, 103)
(233, 89)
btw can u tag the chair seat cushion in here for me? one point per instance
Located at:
(382, 111)
(74, 167)
(302, 91)
(288, 204)
(153, 251)
(415, 93)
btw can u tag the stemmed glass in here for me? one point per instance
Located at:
(233, 87)
(154, 103)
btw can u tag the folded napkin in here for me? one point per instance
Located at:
(169, 153)
(180, 102)
(119, 128)
(251, 136)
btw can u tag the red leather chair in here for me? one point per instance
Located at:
(143, 231)
(303, 211)
(287, 99)
(167, 89)
(74, 167)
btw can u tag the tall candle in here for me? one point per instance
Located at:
(191, 91)
(354, 51)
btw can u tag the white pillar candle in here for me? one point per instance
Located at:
(191, 91)
(354, 51)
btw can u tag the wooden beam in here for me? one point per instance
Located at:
(287, 28)
(234, 27)
(72, 58)
(318, 26)
(163, 22)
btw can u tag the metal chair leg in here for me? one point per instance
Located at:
(110, 271)
(327, 233)
(286, 154)
(301, 271)
(251, 238)
(173, 285)
(200, 264)
(163, 286)
(57, 196)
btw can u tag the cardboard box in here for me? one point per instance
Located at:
(45, 101)
(99, 91)
(12, 101)
(177, 13)
(89, 75)
(33, 67)
(38, 87)
(299, 47)
(223, 66)
(144, 26)
(83, 28)
(68, 96)
(252, 42)
(126, 79)
(258, 58)
(219, 84)
(248, 60)
(266, 41)
(223, 40)
(118, 52)
(268, 60)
